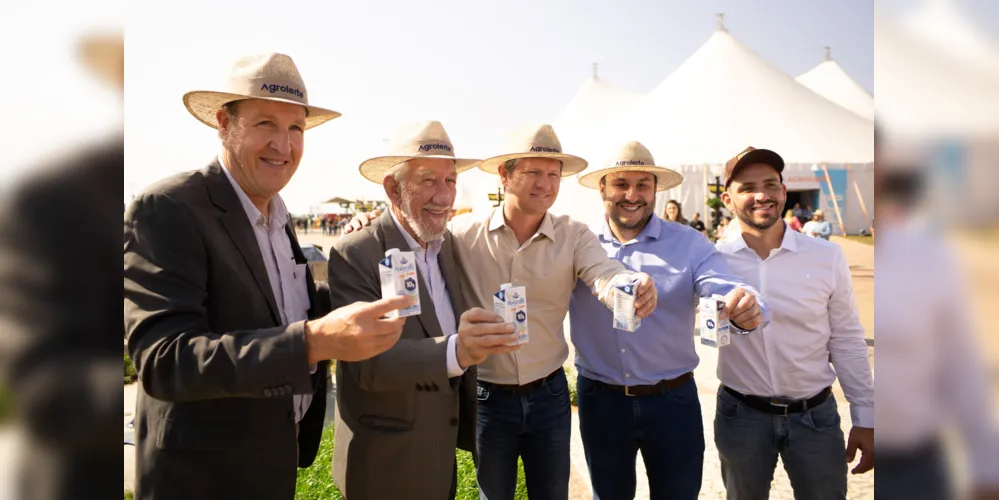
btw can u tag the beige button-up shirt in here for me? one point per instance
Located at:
(548, 265)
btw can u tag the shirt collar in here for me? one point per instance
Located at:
(653, 229)
(737, 243)
(547, 228)
(410, 240)
(279, 211)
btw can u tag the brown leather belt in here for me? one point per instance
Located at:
(649, 390)
(523, 389)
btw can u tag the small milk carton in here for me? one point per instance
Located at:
(510, 303)
(398, 274)
(715, 331)
(624, 307)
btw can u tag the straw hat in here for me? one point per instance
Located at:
(271, 76)
(536, 141)
(419, 140)
(634, 157)
(104, 55)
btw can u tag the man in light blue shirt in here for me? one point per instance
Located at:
(818, 227)
(636, 389)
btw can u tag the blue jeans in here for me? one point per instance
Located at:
(666, 427)
(810, 444)
(534, 426)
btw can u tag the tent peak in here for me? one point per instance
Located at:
(594, 71)
(721, 21)
(826, 53)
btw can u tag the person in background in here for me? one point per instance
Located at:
(674, 213)
(697, 223)
(792, 221)
(818, 227)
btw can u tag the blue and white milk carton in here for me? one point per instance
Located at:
(510, 303)
(624, 307)
(398, 274)
(715, 330)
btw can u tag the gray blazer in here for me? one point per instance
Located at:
(217, 369)
(398, 417)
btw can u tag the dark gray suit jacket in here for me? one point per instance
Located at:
(398, 416)
(217, 369)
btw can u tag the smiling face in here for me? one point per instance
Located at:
(422, 196)
(756, 196)
(533, 184)
(629, 198)
(263, 144)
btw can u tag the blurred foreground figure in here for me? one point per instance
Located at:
(59, 308)
(932, 377)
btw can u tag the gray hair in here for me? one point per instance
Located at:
(397, 172)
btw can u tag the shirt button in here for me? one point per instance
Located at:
(622, 350)
(454, 421)
(627, 375)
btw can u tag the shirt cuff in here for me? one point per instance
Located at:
(453, 368)
(862, 416)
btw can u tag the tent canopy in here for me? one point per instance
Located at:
(830, 81)
(726, 97)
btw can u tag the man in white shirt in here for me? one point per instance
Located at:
(776, 396)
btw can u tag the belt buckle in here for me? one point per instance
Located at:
(627, 392)
(778, 403)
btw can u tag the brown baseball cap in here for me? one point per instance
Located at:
(751, 156)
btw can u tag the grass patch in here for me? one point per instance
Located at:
(129, 495)
(316, 482)
(130, 374)
(867, 240)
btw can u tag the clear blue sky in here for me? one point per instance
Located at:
(481, 68)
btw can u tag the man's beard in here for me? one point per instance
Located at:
(616, 215)
(746, 217)
(423, 232)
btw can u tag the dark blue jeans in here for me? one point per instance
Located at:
(666, 428)
(810, 444)
(534, 426)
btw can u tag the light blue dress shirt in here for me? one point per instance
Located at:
(684, 266)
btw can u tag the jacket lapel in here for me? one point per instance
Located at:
(310, 282)
(449, 268)
(393, 238)
(236, 224)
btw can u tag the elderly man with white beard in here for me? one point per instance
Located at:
(406, 410)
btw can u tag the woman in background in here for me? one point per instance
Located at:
(674, 213)
(792, 221)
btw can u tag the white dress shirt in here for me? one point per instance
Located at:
(815, 321)
(430, 270)
(287, 278)
(932, 375)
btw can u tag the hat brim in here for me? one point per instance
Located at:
(205, 104)
(665, 178)
(375, 169)
(765, 156)
(571, 165)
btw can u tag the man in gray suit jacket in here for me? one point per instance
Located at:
(400, 415)
(221, 314)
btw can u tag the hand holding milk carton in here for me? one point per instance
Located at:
(398, 276)
(715, 329)
(624, 307)
(510, 303)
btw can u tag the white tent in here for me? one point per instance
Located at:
(723, 98)
(830, 81)
(584, 128)
(941, 24)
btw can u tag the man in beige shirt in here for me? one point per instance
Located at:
(523, 395)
